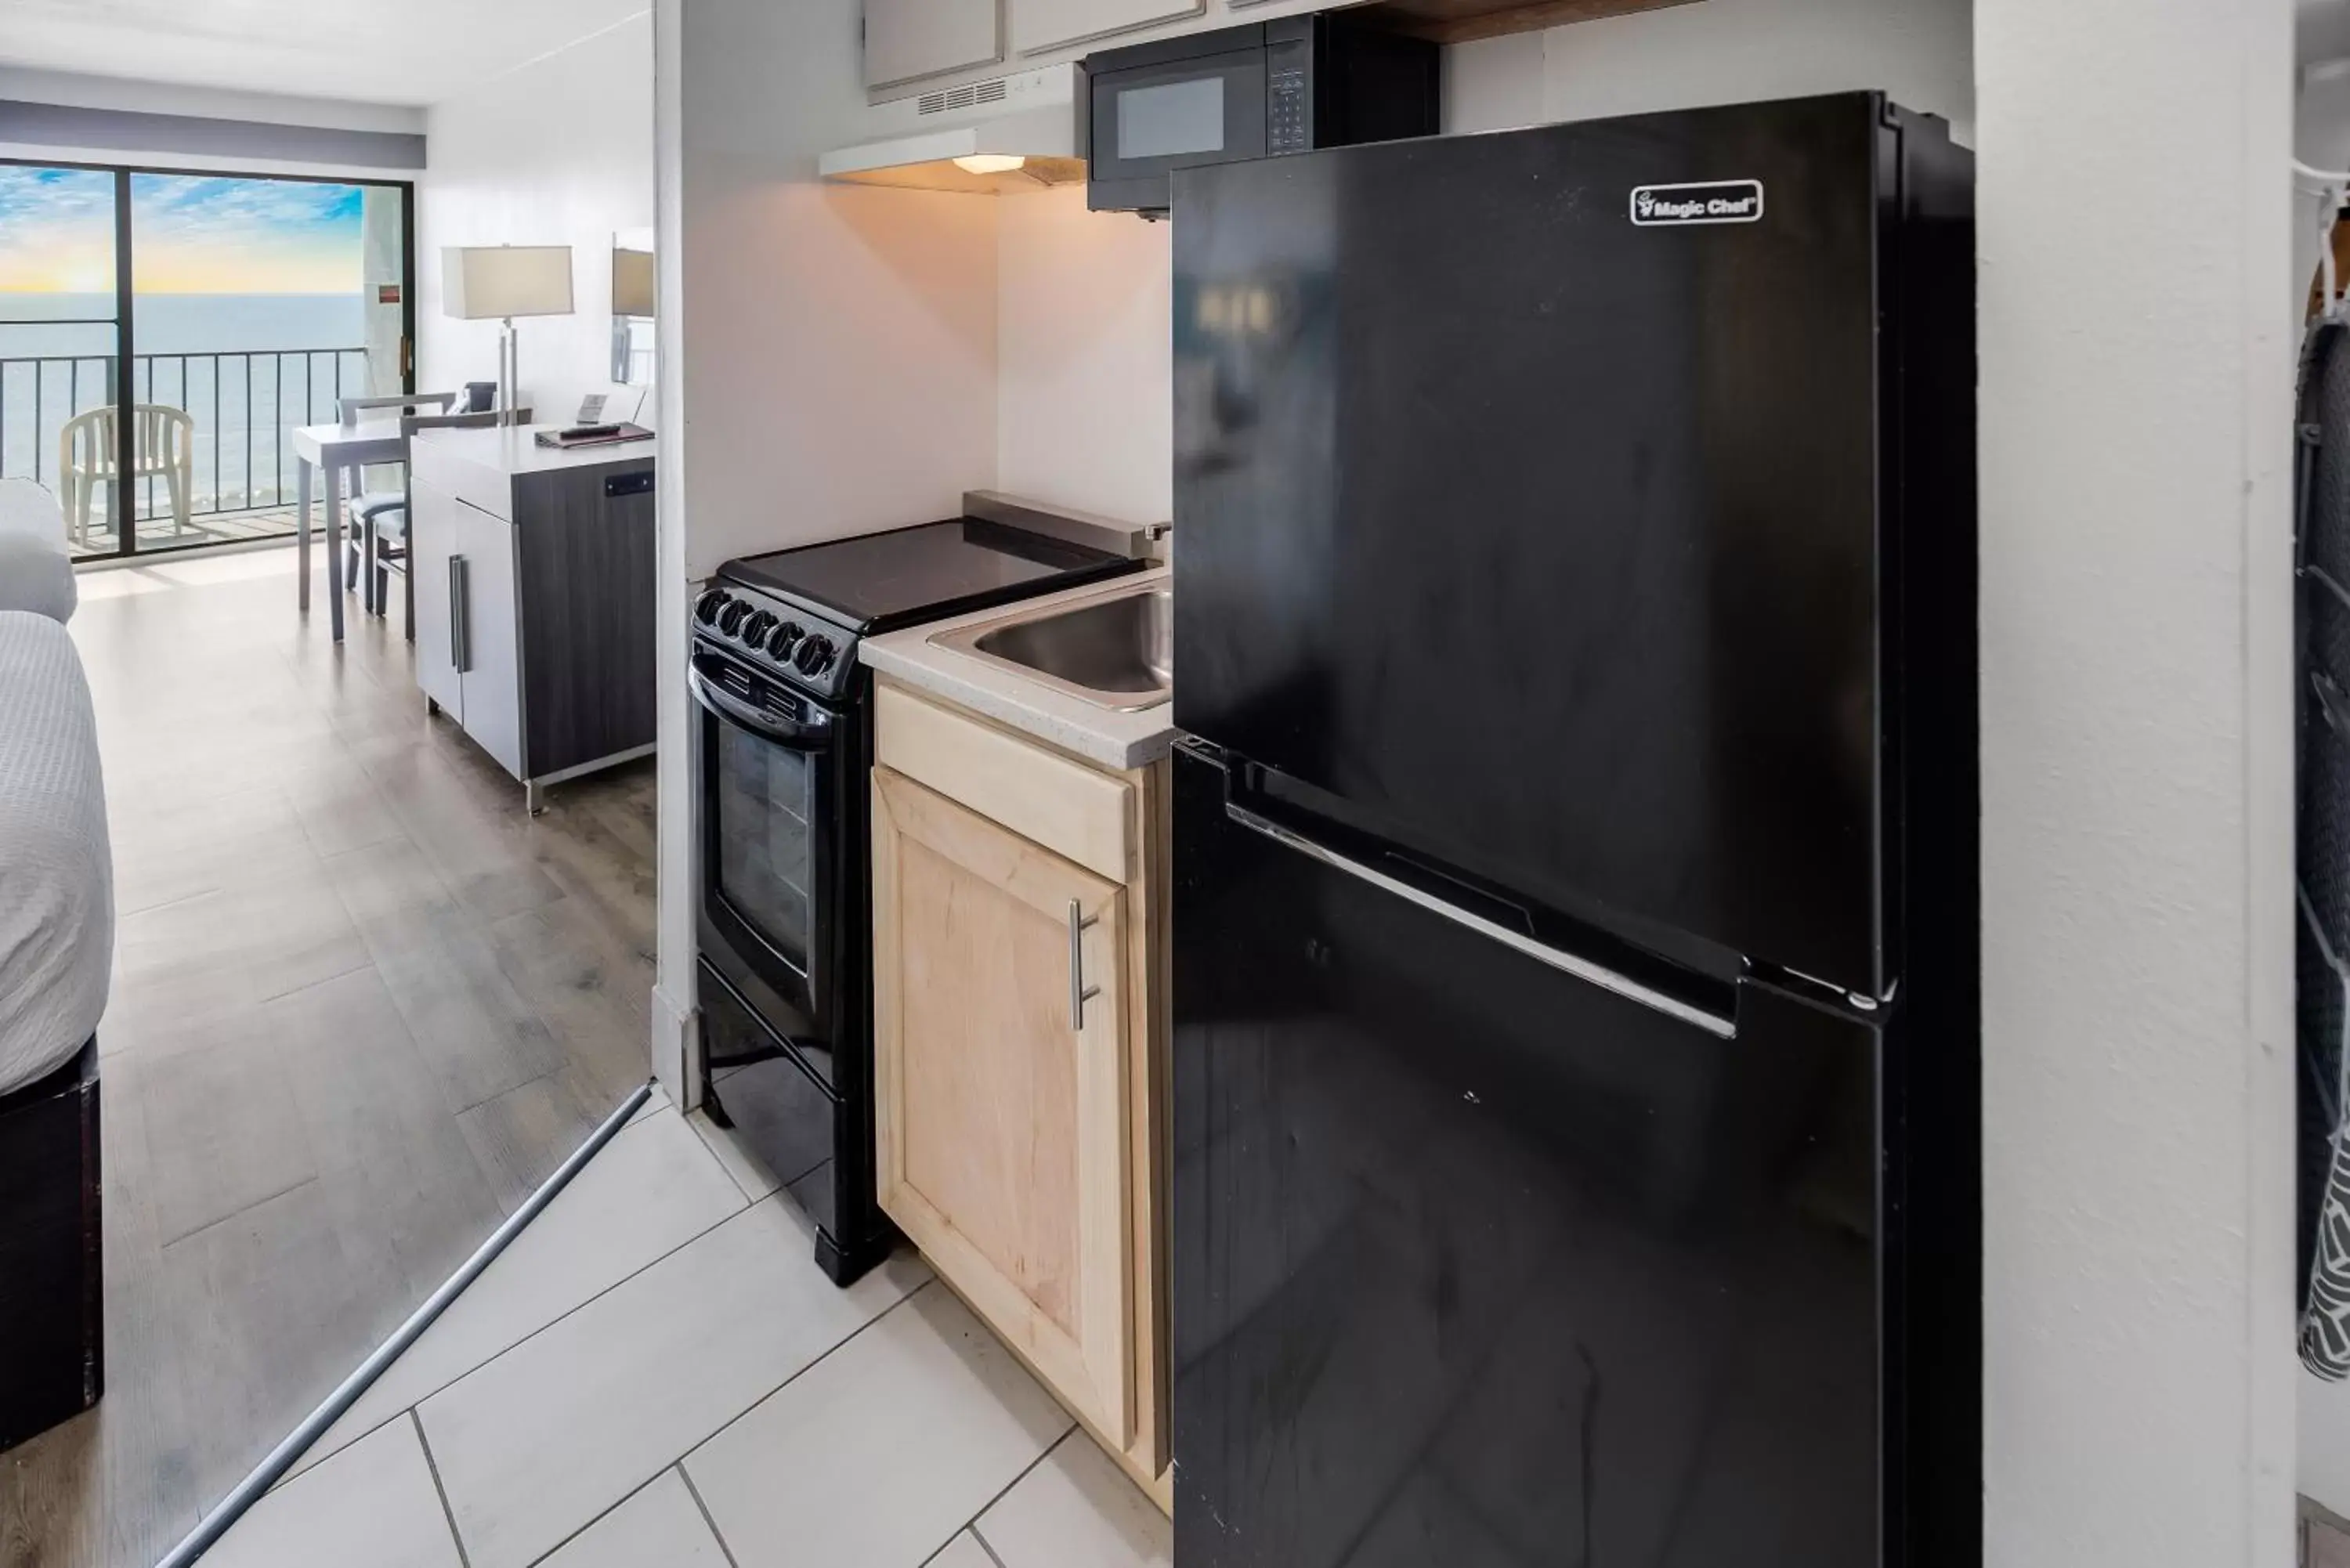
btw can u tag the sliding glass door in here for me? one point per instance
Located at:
(220, 313)
(63, 302)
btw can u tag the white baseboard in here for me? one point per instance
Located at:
(677, 1051)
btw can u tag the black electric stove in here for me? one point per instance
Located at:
(786, 972)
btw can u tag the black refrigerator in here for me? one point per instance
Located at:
(1575, 1112)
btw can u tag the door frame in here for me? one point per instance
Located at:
(126, 534)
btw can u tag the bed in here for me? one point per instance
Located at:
(57, 874)
(56, 946)
(35, 565)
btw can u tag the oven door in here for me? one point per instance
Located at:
(771, 792)
(1143, 123)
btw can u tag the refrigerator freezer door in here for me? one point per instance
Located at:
(1546, 534)
(1476, 1263)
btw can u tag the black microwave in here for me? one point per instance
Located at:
(1285, 86)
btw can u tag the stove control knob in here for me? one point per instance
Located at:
(815, 656)
(731, 614)
(756, 630)
(706, 608)
(786, 638)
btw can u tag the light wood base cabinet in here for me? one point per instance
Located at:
(1019, 1051)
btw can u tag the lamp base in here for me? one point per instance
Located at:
(509, 374)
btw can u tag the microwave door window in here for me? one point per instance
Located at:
(765, 802)
(1172, 120)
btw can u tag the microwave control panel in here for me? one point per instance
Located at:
(1289, 99)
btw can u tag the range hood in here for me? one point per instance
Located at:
(998, 137)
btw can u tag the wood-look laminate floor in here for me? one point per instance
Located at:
(362, 1004)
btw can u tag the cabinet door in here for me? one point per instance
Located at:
(431, 543)
(587, 560)
(1000, 1012)
(1040, 25)
(907, 39)
(492, 670)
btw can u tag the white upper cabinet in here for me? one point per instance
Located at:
(906, 40)
(1041, 25)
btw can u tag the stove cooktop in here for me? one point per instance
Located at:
(798, 614)
(932, 571)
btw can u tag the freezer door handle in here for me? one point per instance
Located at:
(1582, 969)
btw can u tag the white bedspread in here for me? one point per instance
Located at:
(36, 568)
(57, 872)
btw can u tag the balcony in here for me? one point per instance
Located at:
(243, 404)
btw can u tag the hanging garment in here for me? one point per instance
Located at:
(2321, 643)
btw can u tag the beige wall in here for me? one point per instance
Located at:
(1084, 371)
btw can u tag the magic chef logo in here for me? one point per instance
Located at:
(1715, 201)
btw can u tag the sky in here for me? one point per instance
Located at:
(190, 234)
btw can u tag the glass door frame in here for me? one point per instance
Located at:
(121, 507)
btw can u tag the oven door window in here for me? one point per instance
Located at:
(765, 800)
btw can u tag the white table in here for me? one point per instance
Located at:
(333, 451)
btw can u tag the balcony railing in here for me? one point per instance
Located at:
(244, 403)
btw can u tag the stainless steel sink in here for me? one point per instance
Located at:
(1115, 653)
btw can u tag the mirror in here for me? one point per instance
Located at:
(635, 288)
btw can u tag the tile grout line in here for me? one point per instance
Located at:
(708, 1518)
(678, 1463)
(1026, 1471)
(442, 1389)
(450, 1514)
(634, 1493)
(732, 1421)
(985, 1549)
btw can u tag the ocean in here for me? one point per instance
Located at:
(246, 367)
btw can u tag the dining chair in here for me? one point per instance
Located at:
(163, 442)
(384, 547)
(369, 505)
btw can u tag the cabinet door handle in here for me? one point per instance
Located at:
(461, 611)
(1079, 992)
(457, 612)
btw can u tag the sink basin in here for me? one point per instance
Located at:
(1115, 653)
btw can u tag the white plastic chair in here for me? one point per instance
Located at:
(164, 445)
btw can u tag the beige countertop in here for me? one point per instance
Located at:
(1100, 735)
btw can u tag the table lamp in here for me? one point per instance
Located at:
(498, 283)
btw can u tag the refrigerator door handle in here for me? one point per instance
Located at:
(1559, 959)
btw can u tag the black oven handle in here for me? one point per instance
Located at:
(792, 737)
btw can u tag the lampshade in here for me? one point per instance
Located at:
(481, 283)
(632, 283)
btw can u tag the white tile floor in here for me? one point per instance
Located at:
(656, 1372)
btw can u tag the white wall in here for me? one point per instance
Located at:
(840, 360)
(828, 351)
(2137, 782)
(1722, 51)
(557, 153)
(1085, 372)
